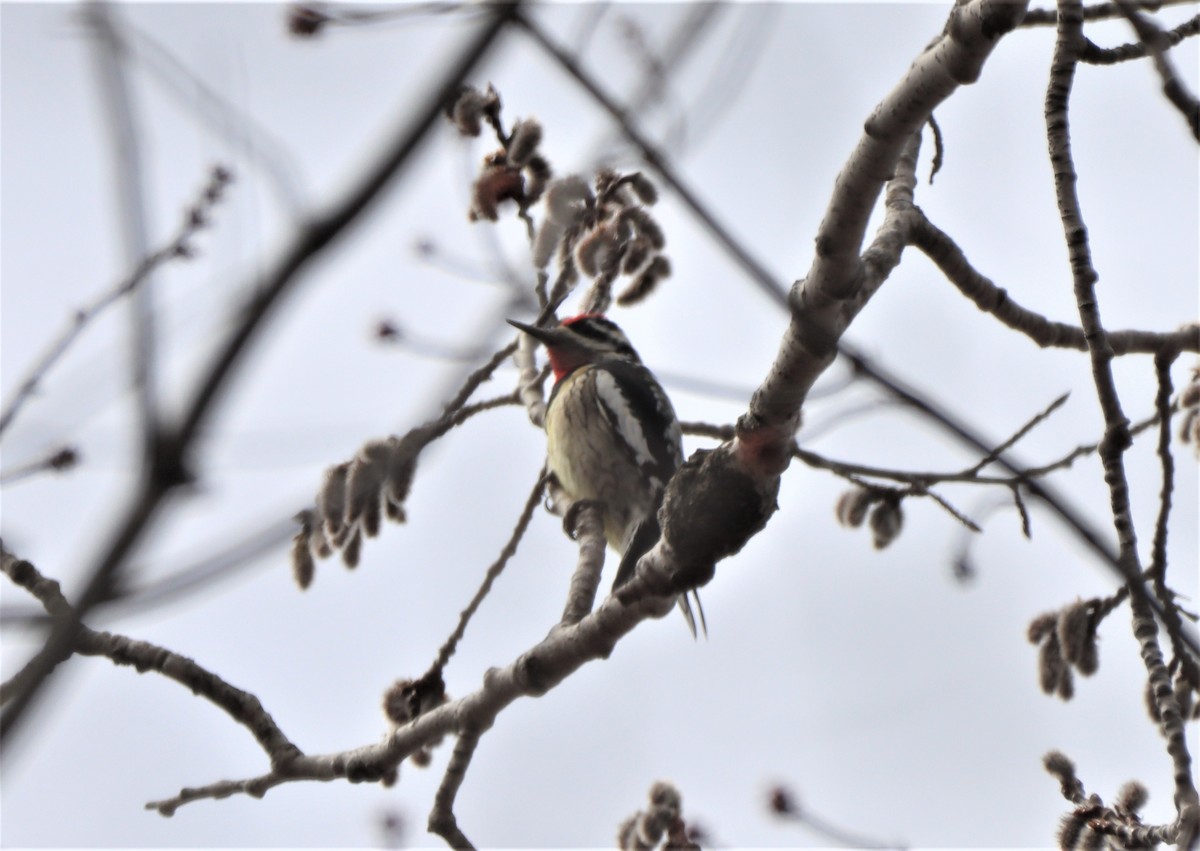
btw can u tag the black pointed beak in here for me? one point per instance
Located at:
(545, 335)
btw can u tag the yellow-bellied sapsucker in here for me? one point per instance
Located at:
(611, 435)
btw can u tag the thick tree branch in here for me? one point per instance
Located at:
(836, 275)
(765, 282)
(587, 526)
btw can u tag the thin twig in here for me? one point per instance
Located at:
(61, 459)
(1158, 558)
(1157, 42)
(1095, 539)
(998, 302)
(1095, 12)
(1157, 571)
(783, 804)
(441, 819)
(493, 573)
(178, 247)
(1093, 54)
(119, 110)
(478, 376)
(1021, 432)
(915, 477)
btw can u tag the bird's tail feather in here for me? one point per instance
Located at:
(645, 536)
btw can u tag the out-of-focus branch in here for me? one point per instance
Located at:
(783, 804)
(117, 100)
(61, 459)
(180, 245)
(239, 129)
(313, 238)
(306, 20)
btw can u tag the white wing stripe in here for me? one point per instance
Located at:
(616, 410)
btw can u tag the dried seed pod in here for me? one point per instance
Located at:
(642, 187)
(523, 144)
(852, 506)
(596, 251)
(496, 183)
(646, 281)
(886, 521)
(304, 568)
(567, 198)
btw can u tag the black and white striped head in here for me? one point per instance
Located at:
(580, 340)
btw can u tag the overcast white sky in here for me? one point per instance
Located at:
(893, 700)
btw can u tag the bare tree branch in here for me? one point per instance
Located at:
(1157, 42)
(442, 820)
(532, 674)
(997, 301)
(241, 706)
(822, 304)
(1096, 55)
(1116, 440)
(1095, 12)
(587, 525)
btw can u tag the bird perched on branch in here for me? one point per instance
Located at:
(611, 435)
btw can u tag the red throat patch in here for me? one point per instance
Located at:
(563, 362)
